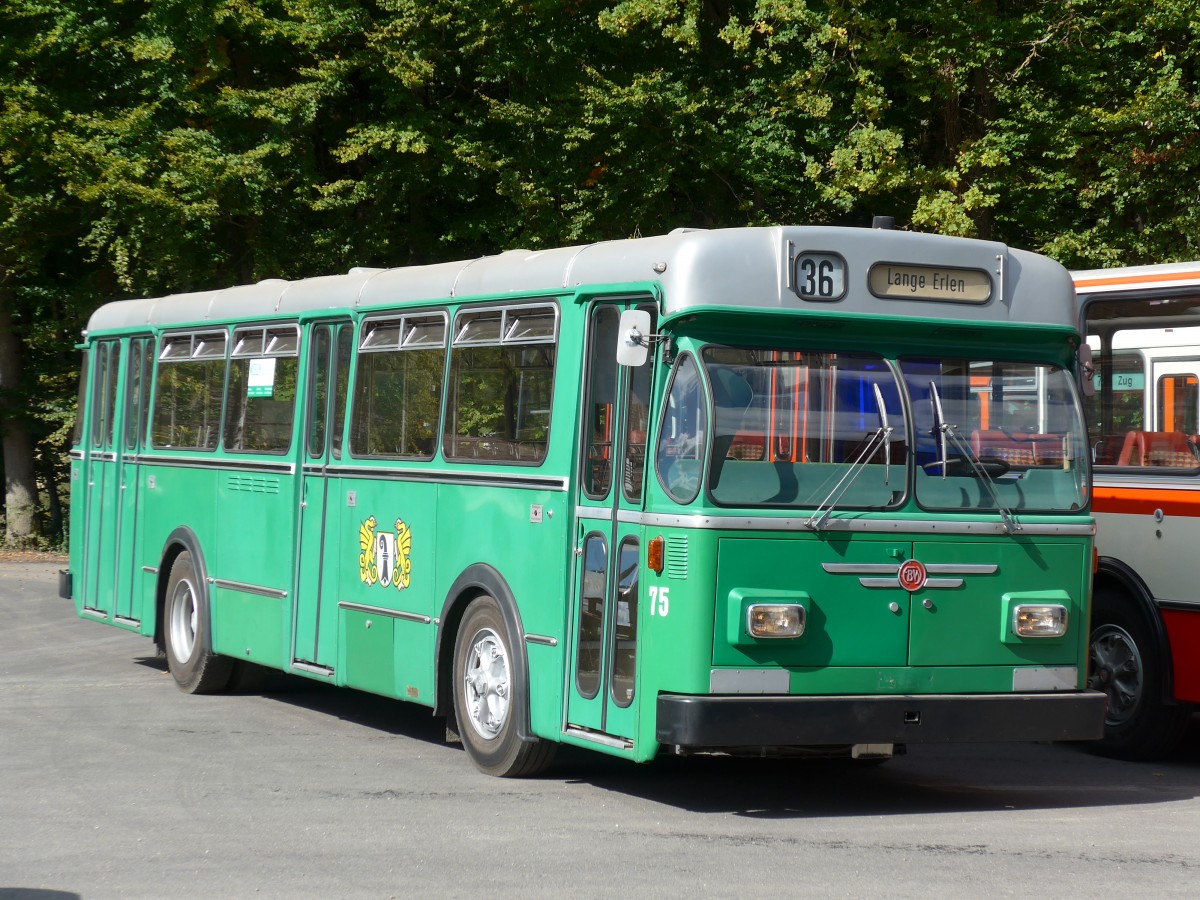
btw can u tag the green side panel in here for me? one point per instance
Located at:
(413, 661)
(173, 497)
(248, 626)
(545, 688)
(380, 539)
(259, 550)
(848, 624)
(680, 630)
(368, 648)
(385, 544)
(496, 527)
(962, 626)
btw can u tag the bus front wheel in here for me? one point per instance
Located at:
(487, 694)
(1126, 665)
(193, 665)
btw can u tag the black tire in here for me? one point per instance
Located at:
(1126, 664)
(187, 634)
(488, 697)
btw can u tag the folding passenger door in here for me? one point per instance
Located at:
(602, 697)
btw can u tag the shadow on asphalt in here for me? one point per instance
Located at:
(927, 780)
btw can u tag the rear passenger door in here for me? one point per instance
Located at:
(103, 475)
(314, 628)
(139, 371)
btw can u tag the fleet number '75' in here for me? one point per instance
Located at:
(659, 602)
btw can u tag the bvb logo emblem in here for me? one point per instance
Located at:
(912, 575)
(384, 557)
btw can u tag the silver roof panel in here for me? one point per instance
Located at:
(735, 268)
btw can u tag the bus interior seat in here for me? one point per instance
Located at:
(732, 396)
(1106, 451)
(1158, 448)
(1048, 449)
(1014, 449)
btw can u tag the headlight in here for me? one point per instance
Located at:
(1033, 620)
(775, 620)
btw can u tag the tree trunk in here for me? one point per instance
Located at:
(20, 484)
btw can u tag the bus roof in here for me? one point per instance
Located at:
(1137, 278)
(738, 269)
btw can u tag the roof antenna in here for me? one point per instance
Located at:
(887, 223)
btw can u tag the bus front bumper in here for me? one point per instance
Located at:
(729, 721)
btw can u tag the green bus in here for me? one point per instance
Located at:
(799, 490)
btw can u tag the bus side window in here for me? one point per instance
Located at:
(637, 414)
(601, 397)
(1178, 403)
(398, 387)
(108, 358)
(189, 385)
(261, 404)
(502, 365)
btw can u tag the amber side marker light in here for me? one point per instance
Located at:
(654, 554)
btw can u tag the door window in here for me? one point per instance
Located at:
(591, 616)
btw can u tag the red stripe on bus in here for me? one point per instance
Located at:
(1144, 501)
(1183, 631)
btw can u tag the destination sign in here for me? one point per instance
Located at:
(892, 281)
(1123, 381)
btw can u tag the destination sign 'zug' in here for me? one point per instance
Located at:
(892, 281)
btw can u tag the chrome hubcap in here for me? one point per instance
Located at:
(183, 621)
(486, 684)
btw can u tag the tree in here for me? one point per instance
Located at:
(46, 283)
(153, 148)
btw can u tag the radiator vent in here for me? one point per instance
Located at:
(677, 556)
(255, 484)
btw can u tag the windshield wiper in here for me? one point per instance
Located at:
(887, 433)
(882, 437)
(948, 433)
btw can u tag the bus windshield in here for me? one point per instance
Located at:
(1014, 428)
(788, 424)
(815, 429)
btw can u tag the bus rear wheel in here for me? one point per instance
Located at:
(487, 695)
(187, 634)
(1125, 664)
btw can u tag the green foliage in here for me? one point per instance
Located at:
(148, 148)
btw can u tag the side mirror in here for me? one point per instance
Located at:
(1087, 371)
(633, 338)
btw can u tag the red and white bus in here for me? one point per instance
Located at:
(1143, 325)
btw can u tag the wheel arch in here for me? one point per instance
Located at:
(1120, 577)
(179, 540)
(475, 581)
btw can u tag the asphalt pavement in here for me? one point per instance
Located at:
(114, 784)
